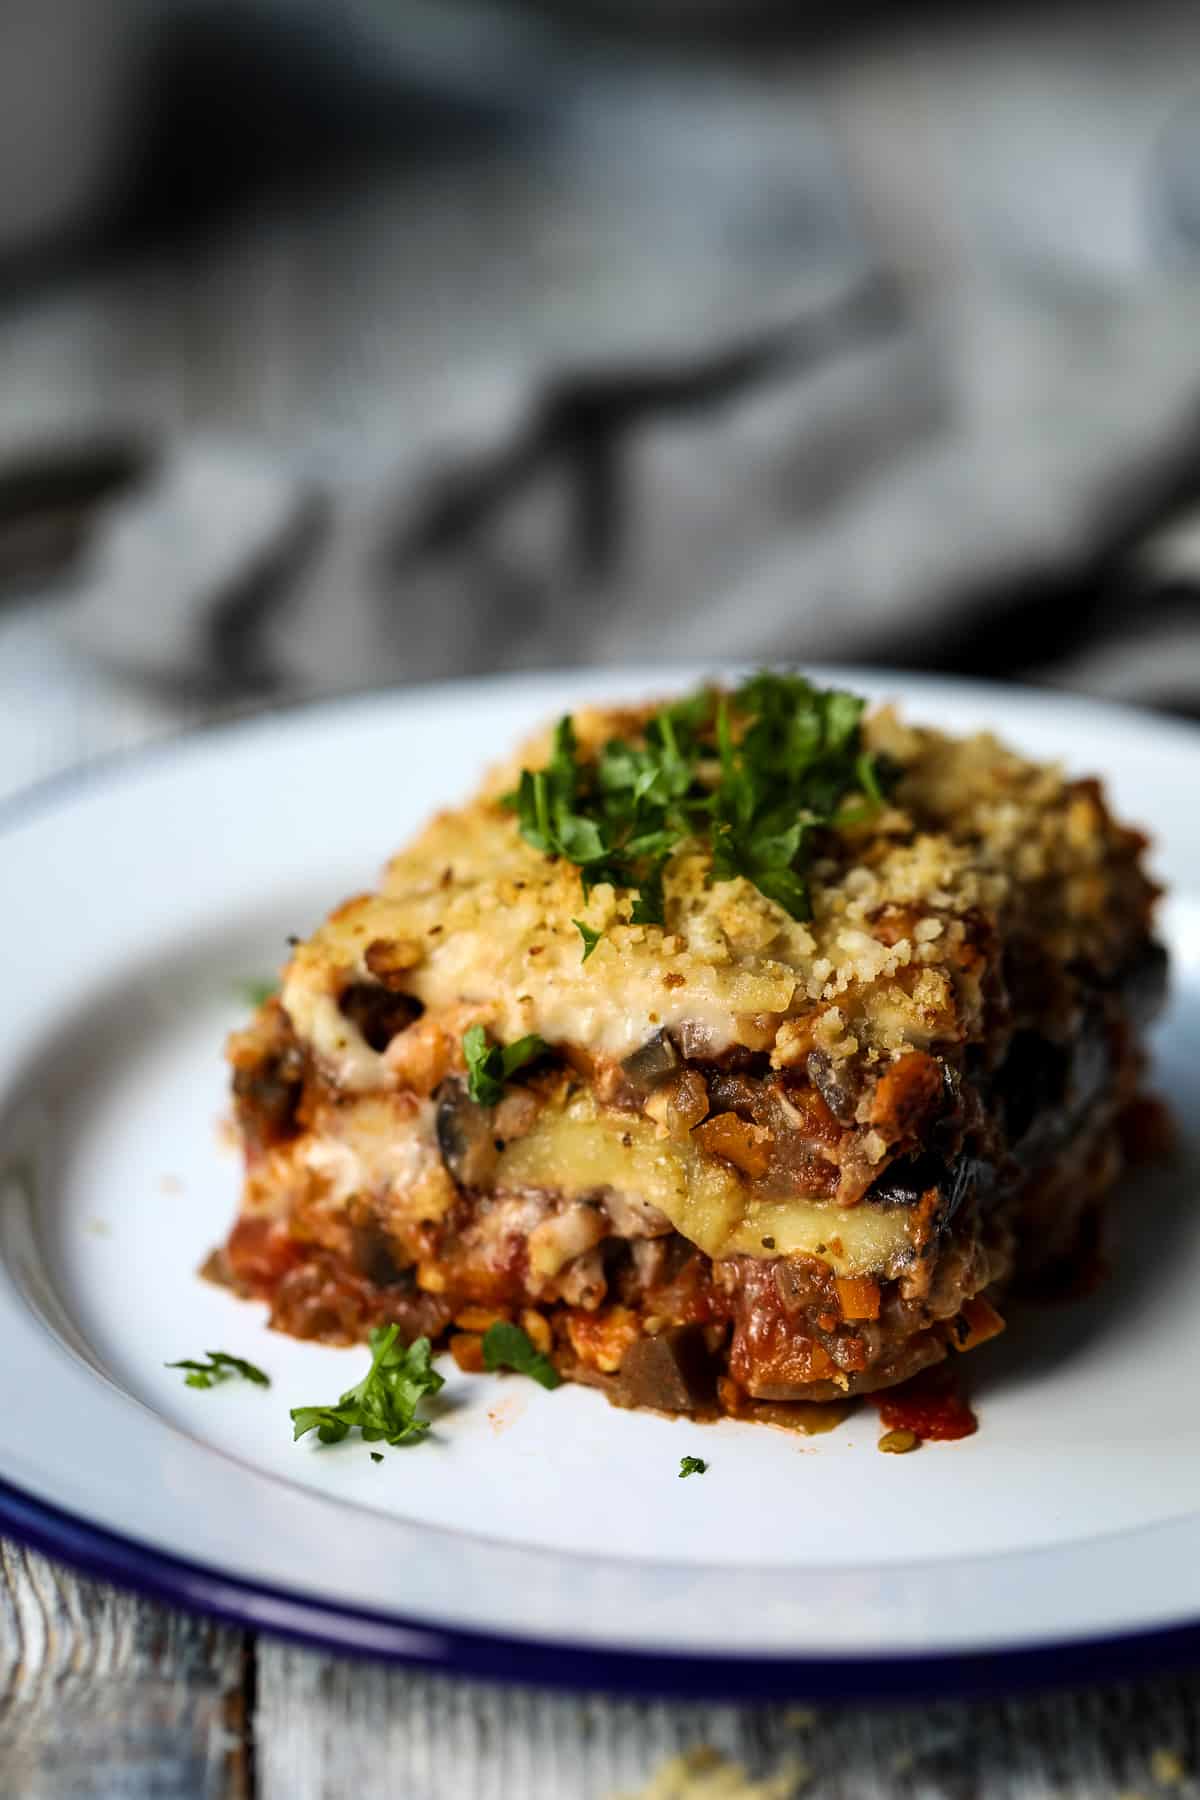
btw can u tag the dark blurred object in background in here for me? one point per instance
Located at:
(72, 93)
(135, 120)
(399, 338)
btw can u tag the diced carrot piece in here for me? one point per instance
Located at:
(977, 1321)
(466, 1347)
(601, 1339)
(746, 1146)
(905, 1093)
(858, 1296)
(478, 1318)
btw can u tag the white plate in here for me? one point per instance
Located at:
(538, 1535)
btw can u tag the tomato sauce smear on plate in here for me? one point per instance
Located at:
(931, 1406)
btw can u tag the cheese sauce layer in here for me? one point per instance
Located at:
(578, 1152)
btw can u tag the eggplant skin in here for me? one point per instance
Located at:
(905, 1181)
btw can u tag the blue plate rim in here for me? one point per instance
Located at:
(306, 1619)
(387, 1637)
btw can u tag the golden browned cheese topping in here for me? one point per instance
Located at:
(975, 837)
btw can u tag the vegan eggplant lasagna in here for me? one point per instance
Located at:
(743, 1050)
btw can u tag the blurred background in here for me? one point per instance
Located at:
(348, 342)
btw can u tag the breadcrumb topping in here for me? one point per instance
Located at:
(910, 913)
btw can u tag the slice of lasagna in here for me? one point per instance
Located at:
(742, 1050)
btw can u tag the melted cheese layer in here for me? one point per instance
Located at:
(579, 1151)
(499, 933)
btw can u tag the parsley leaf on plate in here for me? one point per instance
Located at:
(375, 1456)
(753, 775)
(691, 1465)
(489, 1066)
(506, 1346)
(384, 1404)
(219, 1367)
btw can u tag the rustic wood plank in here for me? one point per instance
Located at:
(328, 1728)
(104, 1694)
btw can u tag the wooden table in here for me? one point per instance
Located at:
(107, 1695)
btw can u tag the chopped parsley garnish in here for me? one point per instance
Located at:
(506, 1346)
(754, 775)
(375, 1456)
(384, 1404)
(489, 1066)
(256, 992)
(691, 1465)
(590, 938)
(219, 1367)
